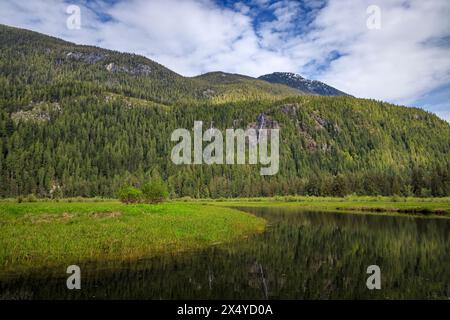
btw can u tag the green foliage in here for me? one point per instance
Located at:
(154, 191)
(68, 120)
(31, 198)
(129, 195)
(56, 192)
(339, 186)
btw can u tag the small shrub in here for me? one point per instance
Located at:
(155, 191)
(129, 194)
(425, 192)
(31, 198)
(56, 193)
(290, 199)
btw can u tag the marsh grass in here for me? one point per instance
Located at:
(41, 233)
(402, 205)
(47, 234)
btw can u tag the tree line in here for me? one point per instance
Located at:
(69, 126)
(92, 146)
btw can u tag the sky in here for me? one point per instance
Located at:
(391, 50)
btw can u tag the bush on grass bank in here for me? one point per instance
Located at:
(129, 195)
(154, 191)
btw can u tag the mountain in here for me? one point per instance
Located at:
(227, 86)
(304, 85)
(57, 63)
(84, 121)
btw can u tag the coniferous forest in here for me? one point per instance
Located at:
(84, 121)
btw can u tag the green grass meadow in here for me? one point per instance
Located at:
(44, 234)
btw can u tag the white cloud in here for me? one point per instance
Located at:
(399, 63)
(445, 115)
(392, 63)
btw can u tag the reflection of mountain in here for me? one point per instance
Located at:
(88, 120)
(304, 255)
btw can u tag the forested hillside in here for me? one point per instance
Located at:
(83, 121)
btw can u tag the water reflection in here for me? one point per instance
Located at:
(303, 255)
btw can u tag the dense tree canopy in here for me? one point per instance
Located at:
(84, 121)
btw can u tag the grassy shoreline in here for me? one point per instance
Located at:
(432, 207)
(40, 234)
(49, 234)
(415, 205)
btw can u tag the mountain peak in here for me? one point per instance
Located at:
(296, 81)
(287, 75)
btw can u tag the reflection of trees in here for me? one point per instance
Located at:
(257, 279)
(301, 256)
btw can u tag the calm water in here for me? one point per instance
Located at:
(302, 255)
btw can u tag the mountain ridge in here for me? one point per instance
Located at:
(86, 120)
(296, 81)
(137, 64)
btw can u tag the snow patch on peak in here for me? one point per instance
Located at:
(296, 81)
